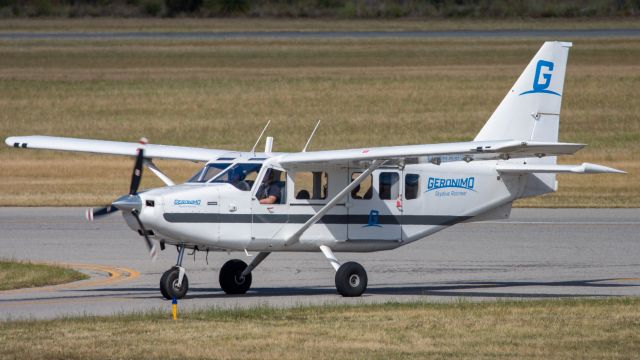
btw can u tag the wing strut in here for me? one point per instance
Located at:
(314, 219)
(151, 166)
(254, 263)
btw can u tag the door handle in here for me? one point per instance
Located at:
(232, 207)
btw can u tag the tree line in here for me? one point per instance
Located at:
(322, 8)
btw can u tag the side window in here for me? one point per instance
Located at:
(411, 186)
(364, 191)
(389, 185)
(311, 185)
(273, 187)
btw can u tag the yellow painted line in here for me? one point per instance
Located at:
(114, 274)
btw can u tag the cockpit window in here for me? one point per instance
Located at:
(242, 176)
(209, 172)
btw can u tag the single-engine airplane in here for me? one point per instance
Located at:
(354, 200)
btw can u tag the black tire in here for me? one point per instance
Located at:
(162, 280)
(230, 280)
(351, 279)
(169, 284)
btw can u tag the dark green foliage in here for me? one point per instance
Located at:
(226, 7)
(326, 8)
(152, 7)
(43, 7)
(182, 6)
(233, 6)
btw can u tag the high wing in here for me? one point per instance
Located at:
(472, 150)
(114, 148)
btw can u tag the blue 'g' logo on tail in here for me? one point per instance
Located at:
(542, 81)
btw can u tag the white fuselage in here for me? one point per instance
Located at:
(402, 205)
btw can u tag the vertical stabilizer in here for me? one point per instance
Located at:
(531, 109)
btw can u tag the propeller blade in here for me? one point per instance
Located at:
(90, 214)
(152, 248)
(136, 176)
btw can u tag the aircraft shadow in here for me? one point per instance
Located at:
(455, 289)
(466, 289)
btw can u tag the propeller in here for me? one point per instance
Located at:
(93, 213)
(152, 248)
(136, 176)
(131, 202)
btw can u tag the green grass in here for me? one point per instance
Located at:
(219, 94)
(549, 329)
(19, 274)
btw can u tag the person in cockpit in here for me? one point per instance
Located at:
(269, 192)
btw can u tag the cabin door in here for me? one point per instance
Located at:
(375, 207)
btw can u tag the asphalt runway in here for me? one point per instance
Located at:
(538, 253)
(222, 35)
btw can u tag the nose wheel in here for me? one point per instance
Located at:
(170, 285)
(174, 282)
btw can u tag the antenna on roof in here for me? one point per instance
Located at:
(311, 136)
(253, 149)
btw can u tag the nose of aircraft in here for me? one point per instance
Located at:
(128, 203)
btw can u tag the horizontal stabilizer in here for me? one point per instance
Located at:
(585, 168)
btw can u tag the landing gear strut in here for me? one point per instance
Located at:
(174, 282)
(351, 278)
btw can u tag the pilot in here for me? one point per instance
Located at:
(269, 192)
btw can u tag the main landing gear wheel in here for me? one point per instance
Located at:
(230, 278)
(169, 284)
(351, 279)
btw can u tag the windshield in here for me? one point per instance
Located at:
(242, 176)
(208, 172)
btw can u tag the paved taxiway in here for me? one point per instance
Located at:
(538, 253)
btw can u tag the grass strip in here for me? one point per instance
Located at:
(21, 274)
(551, 329)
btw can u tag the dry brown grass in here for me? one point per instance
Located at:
(219, 94)
(19, 274)
(554, 329)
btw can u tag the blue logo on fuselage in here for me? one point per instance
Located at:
(374, 219)
(186, 202)
(541, 86)
(461, 183)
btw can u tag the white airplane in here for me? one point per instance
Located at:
(355, 200)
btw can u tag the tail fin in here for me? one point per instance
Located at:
(531, 110)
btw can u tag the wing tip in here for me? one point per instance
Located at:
(11, 141)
